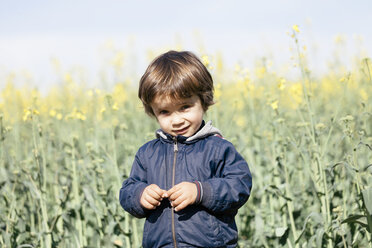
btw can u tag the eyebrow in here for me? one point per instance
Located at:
(186, 102)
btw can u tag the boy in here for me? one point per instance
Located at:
(188, 182)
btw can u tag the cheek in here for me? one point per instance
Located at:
(197, 117)
(162, 122)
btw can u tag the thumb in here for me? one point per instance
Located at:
(169, 192)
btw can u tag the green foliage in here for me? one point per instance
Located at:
(64, 156)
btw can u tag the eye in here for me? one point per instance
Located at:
(184, 107)
(163, 112)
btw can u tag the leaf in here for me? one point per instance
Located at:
(280, 231)
(319, 237)
(32, 189)
(259, 224)
(367, 145)
(346, 165)
(278, 192)
(366, 168)
(89, 197)
(25, 246)
(347, 118)
(2, 184)
(352, 218)
(317, 218)
(367, 198)
(356, 219)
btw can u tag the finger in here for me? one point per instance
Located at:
(171, 191)
(151, 200)
(175, 195)
(154, 194)
(156, 189)
(164, 194)
(182, 205)
(146, 204)
(178, 201)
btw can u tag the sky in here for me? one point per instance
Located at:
(80, 32)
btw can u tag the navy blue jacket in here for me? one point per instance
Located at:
(205, 157)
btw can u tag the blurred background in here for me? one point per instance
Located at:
(39, 37)
(293, 93)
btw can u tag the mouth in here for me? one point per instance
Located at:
(181, 131)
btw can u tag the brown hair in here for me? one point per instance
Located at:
(177, 75)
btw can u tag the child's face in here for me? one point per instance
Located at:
(178, 117)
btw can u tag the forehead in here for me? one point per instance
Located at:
(161, 102)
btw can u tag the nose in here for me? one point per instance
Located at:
(177, 120)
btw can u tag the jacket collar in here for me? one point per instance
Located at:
(205, 130)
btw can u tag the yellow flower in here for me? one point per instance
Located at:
(363, 94)
(240, 122)
(274, 104)
(118, 61)
(68, 78)
(269, 63)
(296, 94)
(260, 72)
(347, 118)
(281, 84)
(103, 109)
(27, 114)
(75, 114)
(119, 94)
(80, 116)
(52, 113)
(295, 28)
(217, 91)
(205, 60)
(239, 104)
(320, 126)
(339, 39)
(115, 106)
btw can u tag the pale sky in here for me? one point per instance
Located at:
(34, 32)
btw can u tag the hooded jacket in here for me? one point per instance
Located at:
(224, 181)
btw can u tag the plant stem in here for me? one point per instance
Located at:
(42, 187)
(290, 204)
(76, 196)
(324, 198)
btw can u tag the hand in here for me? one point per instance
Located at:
(151, 196)
(182, 195)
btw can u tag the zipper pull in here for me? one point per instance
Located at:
(175, 146)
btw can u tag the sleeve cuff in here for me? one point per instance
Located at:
(199, 194)
(207, 194)
(140, 211)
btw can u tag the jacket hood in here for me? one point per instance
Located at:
(206, 130)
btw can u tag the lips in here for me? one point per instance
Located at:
(182, 131)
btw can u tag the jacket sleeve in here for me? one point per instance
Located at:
(232, 184)
(132, 189)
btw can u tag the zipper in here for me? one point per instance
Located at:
(175, 150)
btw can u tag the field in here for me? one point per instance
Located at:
(308, 142)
